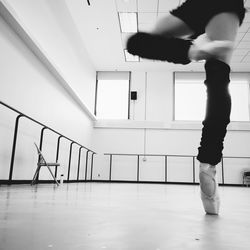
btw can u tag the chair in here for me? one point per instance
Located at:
(246, 177)
(42, 163)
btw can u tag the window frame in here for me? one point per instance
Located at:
(129, 91)
(196, 121)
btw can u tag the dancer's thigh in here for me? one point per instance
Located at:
(193, 16)
(223, 26)
(172, 26)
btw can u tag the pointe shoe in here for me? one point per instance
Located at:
(211, 202)
(203, 48)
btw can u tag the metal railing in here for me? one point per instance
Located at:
(148, 155)
(193, 157)
(60, 136)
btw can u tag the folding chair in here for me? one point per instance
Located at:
(42, 163)
(246, 177)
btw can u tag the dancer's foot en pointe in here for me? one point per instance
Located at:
(209, 189)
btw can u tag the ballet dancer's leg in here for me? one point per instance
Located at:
(164, 42)
(167, 42)
(223, 26)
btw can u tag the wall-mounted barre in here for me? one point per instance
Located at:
(193, 157)
(60, 136)
(149, 155)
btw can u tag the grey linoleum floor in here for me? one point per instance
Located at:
(121, 216)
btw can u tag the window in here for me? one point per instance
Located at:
(190, 97)
(112, 95)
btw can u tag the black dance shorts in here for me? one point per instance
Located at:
(197, 13)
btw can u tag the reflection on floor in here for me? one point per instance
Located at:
(120, 216)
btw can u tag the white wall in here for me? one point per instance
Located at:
(27, 85)
(159, 107)
(50, 24)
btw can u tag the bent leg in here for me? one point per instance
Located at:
(165, 47)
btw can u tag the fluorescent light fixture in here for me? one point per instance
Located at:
(128, 22)
(146, 60)
(130, 58)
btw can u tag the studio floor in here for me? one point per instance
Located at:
(120, 216)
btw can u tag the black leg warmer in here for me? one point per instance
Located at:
(158, 47)
(217, 112)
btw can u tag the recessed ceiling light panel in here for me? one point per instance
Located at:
(128, 22)
(130, 58)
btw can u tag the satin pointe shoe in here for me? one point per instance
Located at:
(209, 189)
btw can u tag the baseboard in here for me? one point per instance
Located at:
(6, 182)
(160, 182)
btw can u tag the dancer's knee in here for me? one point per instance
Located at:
(223, 54)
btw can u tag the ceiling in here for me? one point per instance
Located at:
(98, 24)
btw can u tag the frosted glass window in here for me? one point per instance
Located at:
(240, 101)
(112, 99)
(190, 100)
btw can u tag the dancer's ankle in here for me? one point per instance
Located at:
(194, 54)
(207, 165)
